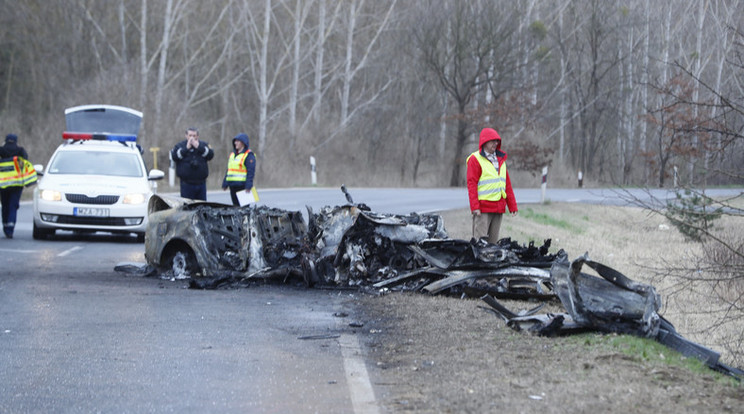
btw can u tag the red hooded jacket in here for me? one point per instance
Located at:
(474, 173)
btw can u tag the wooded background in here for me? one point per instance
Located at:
(394, 93)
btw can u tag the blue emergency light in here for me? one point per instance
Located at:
(84, 136)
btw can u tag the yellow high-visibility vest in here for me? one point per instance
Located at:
(236, 171)
(16, 172)
(492, 182)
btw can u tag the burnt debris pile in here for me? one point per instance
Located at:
(350, 246)
(356, 247)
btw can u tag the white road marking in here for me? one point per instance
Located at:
(68, 251)
(360, 388)
(18, 251)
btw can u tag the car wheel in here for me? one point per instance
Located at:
(182, 262)
(41, 234)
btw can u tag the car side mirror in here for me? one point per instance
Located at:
(155, 175)
(39, 169)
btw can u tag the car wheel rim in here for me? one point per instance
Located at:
(180, 266)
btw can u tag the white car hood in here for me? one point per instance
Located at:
(93, 186)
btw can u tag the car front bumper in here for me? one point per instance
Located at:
(90, 217)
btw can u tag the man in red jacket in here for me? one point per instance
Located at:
(489, 187)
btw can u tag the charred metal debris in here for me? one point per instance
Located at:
(350, 246)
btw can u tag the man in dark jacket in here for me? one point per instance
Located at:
(10, 196)
(191, 156)
(241, 168)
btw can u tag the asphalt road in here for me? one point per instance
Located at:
(427, 200)
(77, 336)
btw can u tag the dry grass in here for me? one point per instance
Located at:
(641, 245)
(445, 354)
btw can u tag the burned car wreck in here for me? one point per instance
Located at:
(350, 246)
(215, 240)
(342, 246)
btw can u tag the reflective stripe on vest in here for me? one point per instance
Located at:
(236, 171)
(492, 183)
(16, 172)
(28, 173)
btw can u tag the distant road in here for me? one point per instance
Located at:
(426, 200)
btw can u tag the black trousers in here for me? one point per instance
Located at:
(10, 198)
(194, 191)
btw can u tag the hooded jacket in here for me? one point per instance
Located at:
(11, 149)
(249, 163)
(474, 172)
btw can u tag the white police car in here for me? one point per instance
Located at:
(96, 180)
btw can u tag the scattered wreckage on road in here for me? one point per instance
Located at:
(218, 246)
(342, 246)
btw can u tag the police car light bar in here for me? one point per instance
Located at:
(84, 136)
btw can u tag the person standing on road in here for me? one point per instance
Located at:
(489, 186)
(15, 173)
(241, 168)
(191, 156)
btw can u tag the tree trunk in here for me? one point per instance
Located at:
(319, 49)
(159, 89)
(263, 93)
(347, 75)
(702, 5)
(143, 55)
(458, 164)
(294, 85)
(642, 138)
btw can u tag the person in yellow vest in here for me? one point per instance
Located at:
(241, 168)
(489, 187)
(16, 172)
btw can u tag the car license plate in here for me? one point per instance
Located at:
(90, 212)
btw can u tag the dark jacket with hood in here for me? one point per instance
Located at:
(474, 173)
(11, 148)
(191, 164)
(249, 163)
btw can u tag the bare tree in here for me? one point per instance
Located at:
(301, 12)
(168, 25)
(593, 91)
(477, 55)
(308, 72)
(717, 271)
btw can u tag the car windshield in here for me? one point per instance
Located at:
(96, 163)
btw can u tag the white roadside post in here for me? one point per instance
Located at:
(313, 174)
(544, 184)
(171, 172)
(154, 151)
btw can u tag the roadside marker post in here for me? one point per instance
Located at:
(154, 151)
(313, 174)
(171, 171)
(544, 184)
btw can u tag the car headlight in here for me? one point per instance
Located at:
(50, 195)
(134, 198)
